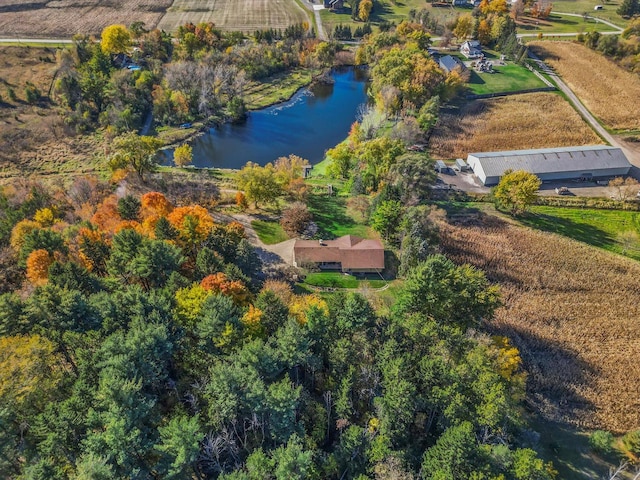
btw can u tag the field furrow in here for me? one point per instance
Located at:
(571, 310)
(607, 90)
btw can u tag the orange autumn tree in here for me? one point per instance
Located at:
(107, 217)
(38, 263)
(154, 204)
(219, 283)
(241, 201)
(193, 224)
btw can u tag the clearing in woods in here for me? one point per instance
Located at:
(65, 18)
(243, 15)
(533, 120)
(607, 90)
(570, 308)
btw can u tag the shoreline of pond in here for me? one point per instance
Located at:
(347, 75)
(204, 126)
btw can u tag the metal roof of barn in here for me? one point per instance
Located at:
(448, 63)
(553, 160)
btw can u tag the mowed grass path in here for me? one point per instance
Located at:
(507, 78)
(600, 228)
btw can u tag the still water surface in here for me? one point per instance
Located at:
(313, 121)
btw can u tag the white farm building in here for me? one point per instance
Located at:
(549, 164)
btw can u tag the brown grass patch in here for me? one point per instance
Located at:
(572, 311)
(534, 120)
(33, 138)
(607, 90)
(65, 18)
(244, 15)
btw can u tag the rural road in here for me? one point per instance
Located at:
(597, 19)
(632, 156)
(35, 40)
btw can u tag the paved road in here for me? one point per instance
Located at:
(633, 156)
(35, 40)
(310, 6)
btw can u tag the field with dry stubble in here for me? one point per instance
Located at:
(242, 15)
(607, 90)
(533, 120)
(65, 18)
(572, 311)
(33, 138)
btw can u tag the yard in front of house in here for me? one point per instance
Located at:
(506, 78)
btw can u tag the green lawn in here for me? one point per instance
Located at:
(330, 214)
(340, 280)
(384, 10)
(269, 232)
(507, 78)
(600, 228)
(582, 6)
(562, 24)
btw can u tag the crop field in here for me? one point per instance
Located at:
(506, 78)
(242, 15)
(571, 309)
(533, 120)
(607, 90)
(65, 18)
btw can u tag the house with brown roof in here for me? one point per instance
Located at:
(349, 254)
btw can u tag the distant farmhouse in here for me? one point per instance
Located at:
(334, 4)
(471, 49)
(466, 3)
(566, 163)
(348, 254)
(449, 64)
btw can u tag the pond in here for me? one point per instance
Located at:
(312, 121)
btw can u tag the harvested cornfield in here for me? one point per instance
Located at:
(534, 120)
(243, 15)
(65, 18)
(607, 90)
(572, 311)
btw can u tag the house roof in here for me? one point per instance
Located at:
(351, 251)
(448, 63)
(552, 160)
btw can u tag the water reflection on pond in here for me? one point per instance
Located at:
(313, 121)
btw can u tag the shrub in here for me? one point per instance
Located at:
(31, 93)
(296, 219)
(601, 441)
(631, 442)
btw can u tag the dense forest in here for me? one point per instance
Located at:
(143, 342)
